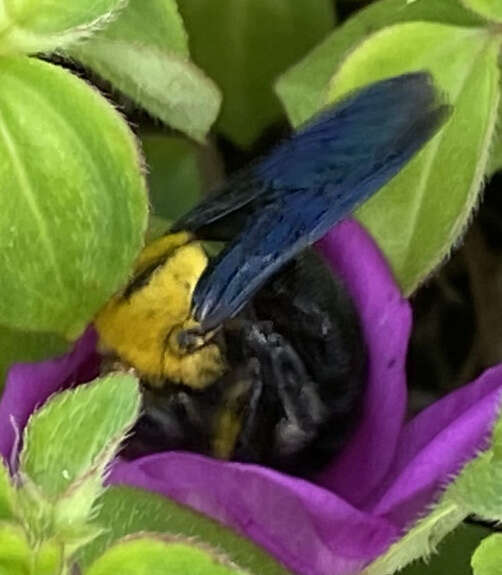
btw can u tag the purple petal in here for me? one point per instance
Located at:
(309, 529)
(386, 321)
(435, 445)
(28, 385)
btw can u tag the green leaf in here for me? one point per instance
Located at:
(144, 54)
(490, 9)
(487, 559)
(49, 558)
(153, 23)
(15, 553)
(478, 489)
(453, 554)
(152, 553)
(30, 26)
(421, 540)
(429, 203)
(124, 510)
(22, 347)
(158, 555)
(18, 558)
(74, 203)
(174, 176)
(75, 535)
(7, 494)
(302, 89)
(75, 434)
(244, 45)
(167, 85)
(35, 511)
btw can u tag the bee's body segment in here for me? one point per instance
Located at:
(257, 353)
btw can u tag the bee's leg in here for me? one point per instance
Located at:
(262, 411)
(288, 410)
(246, 449)
(304, 411)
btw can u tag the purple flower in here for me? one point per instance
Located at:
(387, 474)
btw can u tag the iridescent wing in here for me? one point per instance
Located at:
(288, 200)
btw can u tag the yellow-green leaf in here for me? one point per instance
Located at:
(153, 23)
(487, 559)
(151, 554)
(453, 553)
(30, 26)
(49, 558)
(75, 434)
(15, 553)
(74, 202)
(421, 539)
(144, 54)
(166, 84)
(419, 215)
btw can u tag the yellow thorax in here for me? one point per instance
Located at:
(141, 323)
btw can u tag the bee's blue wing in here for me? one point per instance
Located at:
(291, 198)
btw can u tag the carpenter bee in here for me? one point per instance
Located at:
(256, 354)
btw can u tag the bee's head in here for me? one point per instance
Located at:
(149, 324)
